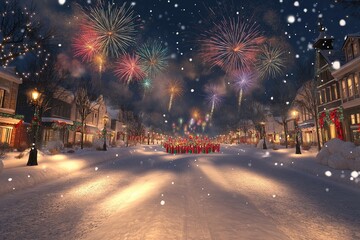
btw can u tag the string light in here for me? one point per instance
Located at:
(20, 43)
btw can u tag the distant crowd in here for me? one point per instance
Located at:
(191, 145)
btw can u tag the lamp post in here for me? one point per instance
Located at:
(297, 146)
(105, 119)
(32, 161)
(148, 138)
(263, 127)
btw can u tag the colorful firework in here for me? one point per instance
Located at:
(231, 44)
(85, 44)
(174, 89)
(153, 57)
(146, 85)
(243, 81)
(270, 62)
(214, 97)
(115, 26)
(99, 61)
(128, 68)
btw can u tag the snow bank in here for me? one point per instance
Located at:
(16, 175)
(338, 154)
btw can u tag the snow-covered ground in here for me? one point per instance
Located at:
(143, 193)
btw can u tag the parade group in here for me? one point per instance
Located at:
(191, 145)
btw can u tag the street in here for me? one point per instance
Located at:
(235, 194)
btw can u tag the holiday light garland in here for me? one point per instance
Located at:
(8, 115)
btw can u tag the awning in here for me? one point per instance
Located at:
(7, 120)
(306, 125)
(54, 119)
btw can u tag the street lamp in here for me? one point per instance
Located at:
(32, 161)
(263, 127)
(297, 146)
(105, 119)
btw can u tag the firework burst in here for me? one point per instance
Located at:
(214, 97)
(231, 44)
(128, 68)
(115, 26)
(270, 62)
(85, 44)
(99, 61)
(243, 81)
(146, 85)
(175, 90)
(153, 57)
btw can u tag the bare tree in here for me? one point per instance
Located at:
(84, 107)
(306, 98)
(282, 112)
(21, 32)
(257, 114)
(48, 84)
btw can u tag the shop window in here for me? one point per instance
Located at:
(2, 97)
(48, 135)
(5, 134)
(332, 131)
(358, 118)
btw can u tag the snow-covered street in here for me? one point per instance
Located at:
(241, 193)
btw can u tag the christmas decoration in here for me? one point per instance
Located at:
(334, 116)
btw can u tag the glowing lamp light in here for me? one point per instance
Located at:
(35, 94)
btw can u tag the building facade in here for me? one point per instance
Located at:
(63, 122)
(347, 77)
(12, 130)
(328, 89)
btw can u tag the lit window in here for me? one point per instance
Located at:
(353, 119)
(356, 49)
(358, 118)
(335, 92)
(349, 53)
(2, 97)
(350, 86)
(356, 81)
(343, 88)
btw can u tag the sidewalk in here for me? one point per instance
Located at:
(16, 175)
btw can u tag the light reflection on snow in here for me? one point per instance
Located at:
(266, 154)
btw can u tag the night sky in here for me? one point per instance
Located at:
(179, 25)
